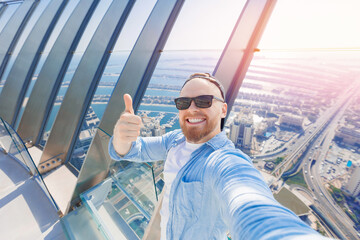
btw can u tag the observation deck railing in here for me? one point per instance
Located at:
(12, 144)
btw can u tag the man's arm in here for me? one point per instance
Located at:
(126, 143)
(248, 205)
(145, 149)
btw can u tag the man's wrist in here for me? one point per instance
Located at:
(124, 148)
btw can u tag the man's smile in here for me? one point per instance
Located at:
(194, 121)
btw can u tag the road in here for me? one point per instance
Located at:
(325, 200)
(322, 134)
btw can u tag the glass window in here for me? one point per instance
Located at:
(84, 41)
(296, 114)
(6, 13)
(25, 33)
(55, 33)
(126, 40)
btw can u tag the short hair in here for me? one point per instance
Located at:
(213, 80)
(208, 77)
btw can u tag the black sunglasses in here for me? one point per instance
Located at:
(202, 101)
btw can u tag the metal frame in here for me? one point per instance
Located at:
(8, 2)
(134, 79)
(238, 53)
(67, 124)
(52, 73)
(13, 93)
(3, 7)
(13, 29)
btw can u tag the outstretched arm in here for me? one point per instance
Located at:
(248, 205)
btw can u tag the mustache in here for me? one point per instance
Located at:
(197, 115)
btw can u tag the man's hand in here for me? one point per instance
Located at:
(127, 128)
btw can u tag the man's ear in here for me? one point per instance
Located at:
(224, 110)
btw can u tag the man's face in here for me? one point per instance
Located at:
(199, 125)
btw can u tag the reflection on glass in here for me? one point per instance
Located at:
(11, 143)
(79, 224)
(123, 204)
(14, 146)
(137, 180)
(128, 211)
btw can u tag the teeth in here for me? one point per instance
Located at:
(195, 120)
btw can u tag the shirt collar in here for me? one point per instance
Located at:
(218, 141)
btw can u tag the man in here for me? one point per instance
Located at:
(211, 187)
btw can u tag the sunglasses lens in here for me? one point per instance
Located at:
(182, 103)
(203, 101)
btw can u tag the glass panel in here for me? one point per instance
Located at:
(84, 41)
(54, 34)
(6, 14)
(136, 179)
(79, 224)
(5, 137)
(281, 116)
(13, 145)
(122, 205)
(125, 42)
(299, 105)
(25, 33)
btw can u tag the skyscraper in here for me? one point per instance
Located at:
(241, 130)
(353, 185)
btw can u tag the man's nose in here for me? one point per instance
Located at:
(193, 107)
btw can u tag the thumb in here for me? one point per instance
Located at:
(128, 104)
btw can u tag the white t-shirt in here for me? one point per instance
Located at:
(177, 157)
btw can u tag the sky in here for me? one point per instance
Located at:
(313, 24)
(207, 24)
(293, 24)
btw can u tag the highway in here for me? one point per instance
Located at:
(316, 140)
(302, 143)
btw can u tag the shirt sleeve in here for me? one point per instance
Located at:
(145, 149)
(248, 206)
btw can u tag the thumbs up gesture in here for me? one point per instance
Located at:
(127, 128)
(128, 104)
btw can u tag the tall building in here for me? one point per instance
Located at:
(348, 135)
(290, 120)
(234, 131)
(242, 130)
(353, 185)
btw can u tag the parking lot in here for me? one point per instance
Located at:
(337, 162)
